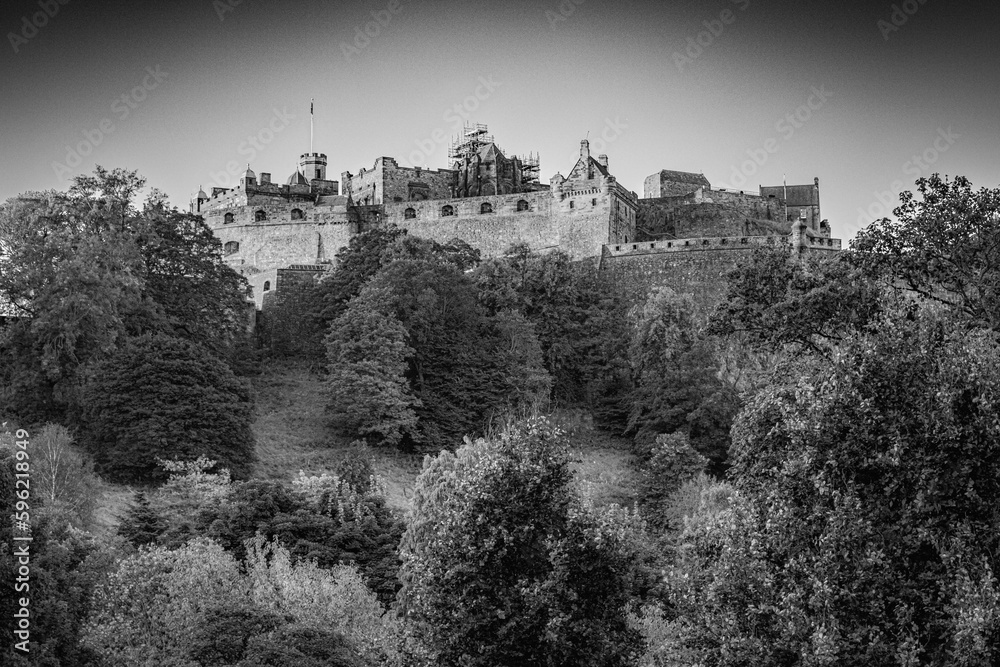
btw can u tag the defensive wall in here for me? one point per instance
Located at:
(696, 266)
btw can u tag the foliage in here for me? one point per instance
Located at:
(333, 599)
(163, 397)
(195, 606)
(196, 295)
(84, 270)
(501, 567)
(863, 532)
(356, 264)
(321, 519)
(672, 463)
(944, 247)
(675, 377)
(811, 303)
(141, 524)
(462, 368)
(369, 395)
(578, 320)
(62, 477)
(65, 565)
(151, 607)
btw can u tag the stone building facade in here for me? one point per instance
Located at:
(274, 233)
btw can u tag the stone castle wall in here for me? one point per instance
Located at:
(696, 266)
(578, 222)
(713, 213)
(388, 182)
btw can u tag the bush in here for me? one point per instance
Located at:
(166, 398)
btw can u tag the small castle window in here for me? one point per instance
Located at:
(231, 247)
(593, 202)
(259, 216)
(572, 204)
(486, 207)
(267, 285)
(297, 214)
(447, 210)
(228, 219)
(522, 205)
(409, 214)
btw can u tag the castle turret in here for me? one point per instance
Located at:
(313, 166)
(199, 200)
(585, 149)
(248, 178)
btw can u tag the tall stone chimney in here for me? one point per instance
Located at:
(585, 149)
(602, 159)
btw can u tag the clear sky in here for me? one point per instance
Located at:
(744, 91)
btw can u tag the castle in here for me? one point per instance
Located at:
(272, 233)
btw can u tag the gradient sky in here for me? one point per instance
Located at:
(234, 70)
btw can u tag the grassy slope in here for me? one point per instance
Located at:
(292, 435)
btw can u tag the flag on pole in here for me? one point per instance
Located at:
(311, 104)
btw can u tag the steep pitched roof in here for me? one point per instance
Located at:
(684, 177)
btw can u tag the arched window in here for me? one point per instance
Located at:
(231, 247)
(447, 210)
(522, 205)
(228, 219)
(486, 207)
(259, 216)
(409, 214)
(267, 285)
(297, 214)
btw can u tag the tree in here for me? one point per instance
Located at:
(141, 524)
(869, 488)
(775, 300)
(196, 295)
(369, 395)
(502, 567)
(64, 478)
(166, 398)
(84, 270)
(943, 248)
(675, 378)
(72, 284)
(578, 320)
(151, 607)
(455, 369)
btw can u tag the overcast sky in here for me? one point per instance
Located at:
(865, 96)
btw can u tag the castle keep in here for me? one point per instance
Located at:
(681, 232)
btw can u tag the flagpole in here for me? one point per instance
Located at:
(311, 106)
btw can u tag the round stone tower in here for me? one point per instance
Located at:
(313, 166)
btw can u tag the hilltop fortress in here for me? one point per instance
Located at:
(681, 232)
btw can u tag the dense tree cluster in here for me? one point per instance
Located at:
(817, 461)
(86, 276)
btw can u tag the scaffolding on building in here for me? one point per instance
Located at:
(529, 169)
(466, 145)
